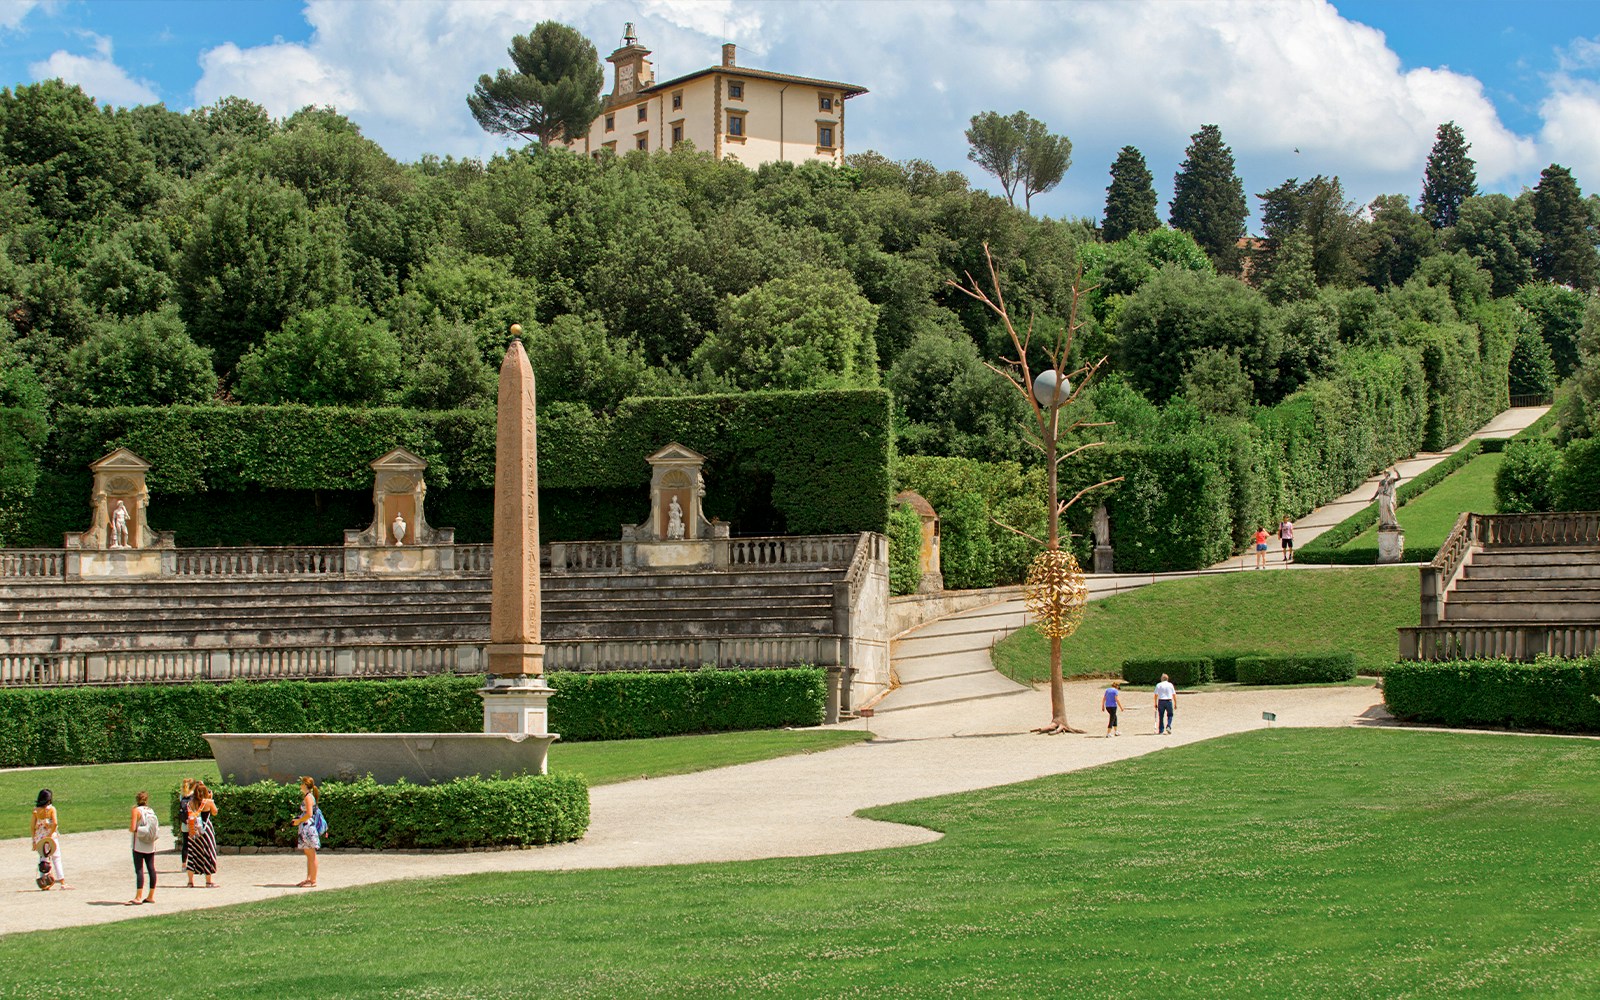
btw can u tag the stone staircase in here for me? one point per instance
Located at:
(643, 606)
(1545, 584)
(1511, 585)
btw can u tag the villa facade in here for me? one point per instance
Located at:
(750, 115)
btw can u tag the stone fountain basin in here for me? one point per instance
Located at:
(420, 758)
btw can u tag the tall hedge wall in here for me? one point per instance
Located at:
(1563, 695)
(780, 462)
(22, 436)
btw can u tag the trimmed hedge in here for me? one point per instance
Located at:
(466, 812)
(619, 706)
(100, 725)
(1189, 670)
(812, 462)
(905, 550)
(1225, 666)
(1296, 668)
(103, 725)
(1560, 695)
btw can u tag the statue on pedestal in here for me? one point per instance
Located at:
(119, 526)
(675, 520)
(1386, 498)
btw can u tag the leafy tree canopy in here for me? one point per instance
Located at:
(554, 92)
(1208, 199)
(1020, 151)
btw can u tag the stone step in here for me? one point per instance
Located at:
(1537, 556)
(1531, 571)
(1587, 612)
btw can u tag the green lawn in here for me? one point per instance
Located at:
(1427, 520)
(1277, 863)
(1251, 612)
(100, 796)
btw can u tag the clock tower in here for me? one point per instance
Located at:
(632, 67)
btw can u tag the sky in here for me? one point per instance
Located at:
(1352, 88)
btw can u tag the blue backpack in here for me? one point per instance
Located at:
(322, 824)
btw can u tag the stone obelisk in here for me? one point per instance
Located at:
(516, 695)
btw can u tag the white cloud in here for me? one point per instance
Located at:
(12, 12)
(98, 75)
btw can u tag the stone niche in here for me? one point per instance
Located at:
(932, 581)
(399, 539)
(120, 541)
(677, 533)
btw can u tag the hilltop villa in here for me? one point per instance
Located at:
(750, 115)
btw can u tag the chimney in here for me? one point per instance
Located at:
(727, 54)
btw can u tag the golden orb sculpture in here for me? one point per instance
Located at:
(516, 329)
(1055, 592)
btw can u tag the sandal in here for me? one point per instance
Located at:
(307, 884)
(133, 902)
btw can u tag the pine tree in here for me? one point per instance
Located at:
(1208, 199)
(1130, 198)
(1566, 253)
(1450, 179)
(554, 92)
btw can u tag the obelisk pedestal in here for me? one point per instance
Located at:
(516, 697)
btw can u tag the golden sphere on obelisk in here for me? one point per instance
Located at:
(516, 329)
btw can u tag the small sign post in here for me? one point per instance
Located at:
(1271, 717)
(866, 718)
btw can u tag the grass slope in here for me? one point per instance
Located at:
(100, 796)
(1282, 863)
(1259, 612)
(1427, 520)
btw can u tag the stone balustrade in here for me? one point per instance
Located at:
(1487, 641)
(182, 666)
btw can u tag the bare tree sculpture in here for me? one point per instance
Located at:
(1056, 589)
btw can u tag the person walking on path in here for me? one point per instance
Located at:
(146, 829)
(1261, 548)
(1286, 537)
(306, 823)
(1166, 701)
(47, 842)
(1111, 703)
(201, 858)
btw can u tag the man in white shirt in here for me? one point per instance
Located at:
(1166, 701)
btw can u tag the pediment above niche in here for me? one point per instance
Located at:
(674, 454)
(120, 460)
(399, 460)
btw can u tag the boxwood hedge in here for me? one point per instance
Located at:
(466, 812)
(101, 725)
(1188, 670)
(1296, 668)
(1563, 695)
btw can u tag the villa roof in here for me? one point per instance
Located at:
(849, 89)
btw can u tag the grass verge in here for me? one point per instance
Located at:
(1249, 612)
(1276, 863)
(100, 796)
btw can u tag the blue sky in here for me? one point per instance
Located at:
(1299, 87)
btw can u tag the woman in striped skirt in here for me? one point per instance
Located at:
(200, 853)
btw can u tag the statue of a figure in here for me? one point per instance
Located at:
(675, 519)
(1102, 526)
(1385, 498)
(398, 527)
(119, 526)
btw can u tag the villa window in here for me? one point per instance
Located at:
(641, 141)
(736, 124)
(677, 134)
(824, 136)
(735, 90)
(611, 122)
(677, 100)
(824, 102)
(644, 112)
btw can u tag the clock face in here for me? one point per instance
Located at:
(625, 79)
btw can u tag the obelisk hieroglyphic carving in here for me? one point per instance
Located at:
(514, 647)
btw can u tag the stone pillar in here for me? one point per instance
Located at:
(515, 698)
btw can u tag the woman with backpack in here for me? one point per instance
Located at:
(146, 830)
(310, 829)
(201, 857)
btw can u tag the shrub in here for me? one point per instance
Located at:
(966, 554)
(905, 550)
(466, 812)
(339, 355)
(1225, 666)
(1522, 484)
(146, 360)
(1532, 371)
(620, 706)
(1576, 482)
(1563, 695)
(1296, 668)
(1189, 670)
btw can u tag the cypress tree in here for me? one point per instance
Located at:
(1450, 178)
(1130, 198)
(1208, 199)
(1566, 253)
